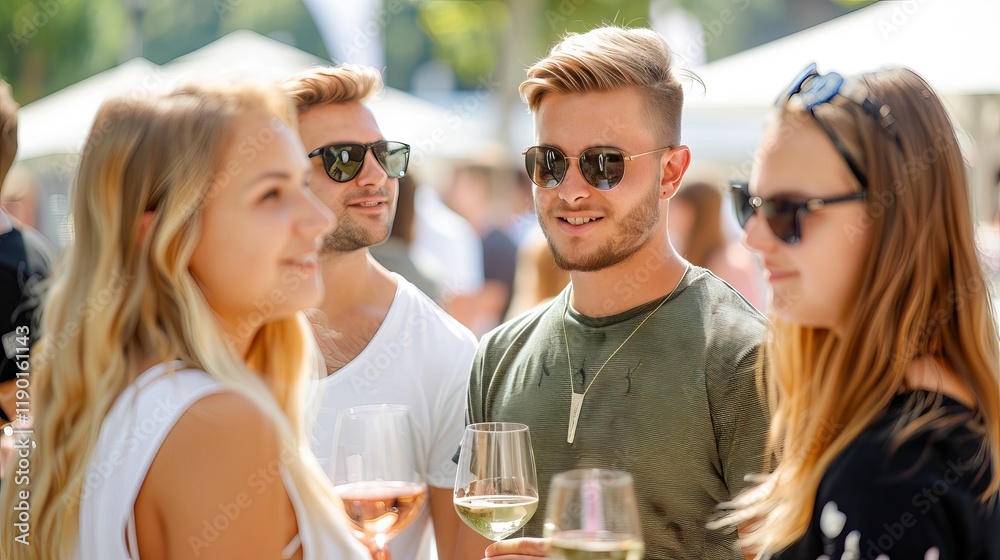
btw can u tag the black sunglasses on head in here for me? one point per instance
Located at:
(783, 216)
(602, 167)
(343, 161)
(811, 89)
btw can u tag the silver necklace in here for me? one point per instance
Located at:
(576, 403)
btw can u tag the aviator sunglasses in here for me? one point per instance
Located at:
(344, 160)
(602, 167)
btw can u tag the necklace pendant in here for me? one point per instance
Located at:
(574, 415)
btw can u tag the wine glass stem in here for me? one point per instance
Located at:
(380, 553)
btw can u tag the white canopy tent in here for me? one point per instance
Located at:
(951, 43)
(59, 123)
(52, 131)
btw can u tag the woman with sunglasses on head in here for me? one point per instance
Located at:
(884, 353)
(168, 391)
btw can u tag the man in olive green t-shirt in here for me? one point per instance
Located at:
(644, 363)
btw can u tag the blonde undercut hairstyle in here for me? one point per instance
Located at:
(121, 296)
(610, 58)
(921, 294)
(320, 86)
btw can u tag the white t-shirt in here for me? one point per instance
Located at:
(131, 434)
(419, 357)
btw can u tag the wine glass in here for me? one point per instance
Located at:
(591, 514)
(496, 492)
(374, 472)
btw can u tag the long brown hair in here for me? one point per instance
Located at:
(922, 294)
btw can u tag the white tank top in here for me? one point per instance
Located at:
(131, 434)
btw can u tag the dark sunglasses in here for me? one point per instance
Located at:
(343, 161)
(813, 89)
(602, 167)
(784, 216)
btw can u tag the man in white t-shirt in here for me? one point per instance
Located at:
(383, 340)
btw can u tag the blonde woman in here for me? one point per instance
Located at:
(884, 351)
(166, 395)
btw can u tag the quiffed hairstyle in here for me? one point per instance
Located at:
(609, 58)
(332, 84)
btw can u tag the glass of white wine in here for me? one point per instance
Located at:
(496, 491)
(591, 514)
(374, 471)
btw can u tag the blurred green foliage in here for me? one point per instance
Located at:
(50, 44)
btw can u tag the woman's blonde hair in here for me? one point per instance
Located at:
(609, 58)
(123, 295)
(922, 294)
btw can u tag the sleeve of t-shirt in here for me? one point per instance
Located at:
(450, 421)
(740, 415)
(865, 515)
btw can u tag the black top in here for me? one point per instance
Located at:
(918, 502)
(25, 260)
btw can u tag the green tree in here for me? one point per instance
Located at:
(51, 44)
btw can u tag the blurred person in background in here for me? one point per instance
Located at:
(20, 196)
(394, 254)
(447, 244)
(988, 244)
(25, 260)
(383, 340)
(885, 358)
(538, 278)
(698, 233)
(475, 193)
(168, 390)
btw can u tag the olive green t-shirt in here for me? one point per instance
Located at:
(677, 407)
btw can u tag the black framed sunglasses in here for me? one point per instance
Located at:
(343, 161)
(812, 89)
(783, 216)
(601, 166)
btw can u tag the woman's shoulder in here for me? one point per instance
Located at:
(893, 450)
(909, 493)
(217, 437)
(221, 463)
